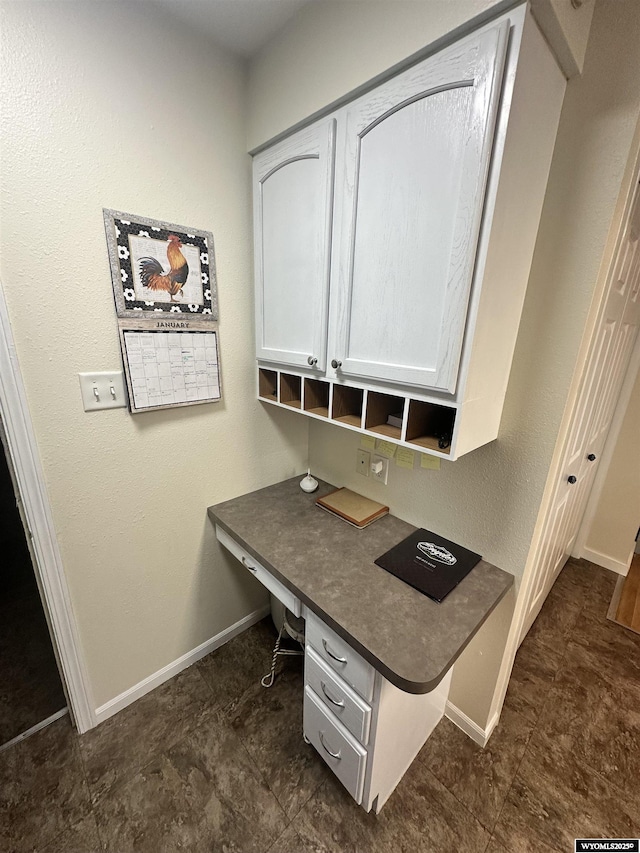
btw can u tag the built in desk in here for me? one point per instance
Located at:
(379, 654)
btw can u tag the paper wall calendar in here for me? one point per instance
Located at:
(171, 368)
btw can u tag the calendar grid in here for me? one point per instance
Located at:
(171, 368)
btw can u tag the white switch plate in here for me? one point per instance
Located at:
(363, 462)
(381, 463)
(101, 384)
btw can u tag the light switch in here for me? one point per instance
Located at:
(102, 390)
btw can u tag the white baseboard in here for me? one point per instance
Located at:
(473, 730)
(605, 561)
(152, 681)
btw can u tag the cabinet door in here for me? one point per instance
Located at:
(412, 187)
(293, 198)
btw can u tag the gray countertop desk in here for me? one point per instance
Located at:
(329, 565)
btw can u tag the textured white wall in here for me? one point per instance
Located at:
(114, 105)
(330, 48)
(488, 500)
(567, 29)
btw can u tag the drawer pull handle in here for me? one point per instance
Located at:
(338, 704)
(247, 566)
(327, 750)
(331, 654)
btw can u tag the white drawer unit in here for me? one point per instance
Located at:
(259, 572)
(391, 726)
(340, 657)
(341, 751)
(339, 698)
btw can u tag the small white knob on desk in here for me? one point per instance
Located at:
(308, 483)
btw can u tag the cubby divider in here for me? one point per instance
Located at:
(379, 408)
(291, 390)
(430, 425)
(347, 405)
(316, 397)
(268, 384)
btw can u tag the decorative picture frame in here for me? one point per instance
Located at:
(159, 268)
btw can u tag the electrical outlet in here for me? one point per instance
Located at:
(380, 468)
(363, 462)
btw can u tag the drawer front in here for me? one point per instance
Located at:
(337, 696)
(341, 751)
(339, 655)
(266, 578)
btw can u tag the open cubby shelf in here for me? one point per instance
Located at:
(347, 405)
(427, 425)
(316, 397)
(430, 426)
(388, 430)
(379, 407)
(291, 390)
(268, 384)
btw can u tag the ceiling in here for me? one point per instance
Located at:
(240, 26)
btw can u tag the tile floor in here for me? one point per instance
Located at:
(211, 761)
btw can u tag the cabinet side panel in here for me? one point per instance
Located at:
(401, 725)
(531, 132)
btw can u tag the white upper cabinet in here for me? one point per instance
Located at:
(401, 271)
(411, 191)
(293, 196)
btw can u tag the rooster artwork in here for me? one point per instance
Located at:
(153, 276)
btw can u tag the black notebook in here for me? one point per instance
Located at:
(429, 563)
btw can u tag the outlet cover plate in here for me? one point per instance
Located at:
(363, 462)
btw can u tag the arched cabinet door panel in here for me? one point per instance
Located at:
(412, 185)
(293, 198)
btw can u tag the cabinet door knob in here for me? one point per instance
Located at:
(591, 457)
(572, 479)
(335, 363)
(311, 361)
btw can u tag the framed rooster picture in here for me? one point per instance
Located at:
(160, 268)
